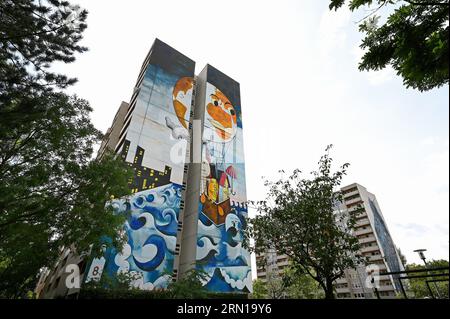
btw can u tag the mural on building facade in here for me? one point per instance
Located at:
(222, 205)
(387, 244)
(159, 121)
(151, 229)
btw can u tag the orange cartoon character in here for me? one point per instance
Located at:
(222, 115)
(182, 95)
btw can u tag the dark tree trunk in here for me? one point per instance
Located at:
(329, 289)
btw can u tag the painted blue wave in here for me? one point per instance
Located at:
(157, 260)
(221, 247)
(151, 228)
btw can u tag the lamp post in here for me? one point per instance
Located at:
(422, 256)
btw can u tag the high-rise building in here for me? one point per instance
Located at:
(376, 244)
(270, 265)
(182, 134)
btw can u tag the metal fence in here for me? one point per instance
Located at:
(432, 276)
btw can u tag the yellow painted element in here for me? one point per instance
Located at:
(221, 212)
(213, 188)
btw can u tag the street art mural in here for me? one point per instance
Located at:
(222, 204)
(159, 121)
(389, 251)
(151, 229)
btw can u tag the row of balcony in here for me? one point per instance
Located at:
(366, 231)
(369, 239)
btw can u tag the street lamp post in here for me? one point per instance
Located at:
(422, 256)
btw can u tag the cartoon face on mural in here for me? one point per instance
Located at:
(221, 114)
(222, 208)
(182, 96)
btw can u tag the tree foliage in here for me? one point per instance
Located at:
(414, 40)
(259, 289)
(122, 286)
(33, 35)
(299, 219)
(52, 193)
(301, 285)
(418, 286)
(190, 286)
(402, 257)
(289, 284)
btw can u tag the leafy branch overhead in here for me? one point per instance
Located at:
(33, 35)
(413, 40)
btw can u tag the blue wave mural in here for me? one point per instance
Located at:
(151, 227)
(220, 253)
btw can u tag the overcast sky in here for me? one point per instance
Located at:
(296, 63)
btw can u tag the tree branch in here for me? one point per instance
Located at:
(427, 3)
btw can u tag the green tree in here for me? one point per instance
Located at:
(302, 285)
(277, 285)
(413, 40)
(259, 289)
(402, 257)
(418, 286)
(289, 284)
(52, 193)
(190, 286)
(299, 219)
(33, 34)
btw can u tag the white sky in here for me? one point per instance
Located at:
(300, 88)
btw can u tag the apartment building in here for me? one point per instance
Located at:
(376, 245)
